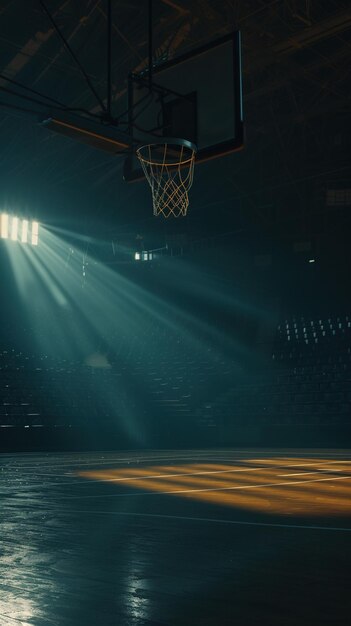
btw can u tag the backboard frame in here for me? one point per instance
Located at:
(133, 173)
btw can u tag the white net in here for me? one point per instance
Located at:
(169, 169)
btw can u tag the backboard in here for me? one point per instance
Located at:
(196, 96)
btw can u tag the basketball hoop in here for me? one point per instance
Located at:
(169, 170)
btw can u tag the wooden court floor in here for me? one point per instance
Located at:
(178, 538)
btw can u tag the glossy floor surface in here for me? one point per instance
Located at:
(195, 537)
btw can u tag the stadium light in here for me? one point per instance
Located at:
(35, 233)
(4, 225)
(24, 231)
(16, 229)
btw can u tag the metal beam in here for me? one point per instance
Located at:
(73, 55)
(313, 34)
(109, 56)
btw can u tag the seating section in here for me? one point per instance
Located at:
(308, 383)
(163, 382)
(162, 378)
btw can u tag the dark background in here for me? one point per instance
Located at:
(207, 359)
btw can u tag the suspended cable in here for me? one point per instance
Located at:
(109, 57)
(30, 90)
(18, 108)
(74, 57)
(22, 96)
(56, 104)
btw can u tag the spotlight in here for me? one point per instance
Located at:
(4, 225)
(35, 233)
(16, 229)
(24, 231)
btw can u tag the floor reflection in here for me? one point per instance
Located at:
(286, 486)
(88, 538)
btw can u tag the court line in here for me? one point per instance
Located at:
(82, 480)
(208, 489)
(106, 454)
(32, 473)
(217, 455)
(216, 521)
(155, 476)
(319, 471)
(211, 472)
(102, 462)
(319, 461)
(79, 483)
